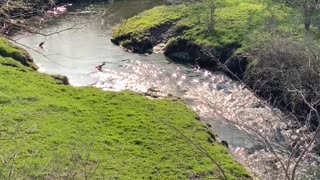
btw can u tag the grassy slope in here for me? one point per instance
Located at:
(9, 50)
(150, 19)
(236, 21)
(54, 131)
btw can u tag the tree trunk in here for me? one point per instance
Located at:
(307, 23)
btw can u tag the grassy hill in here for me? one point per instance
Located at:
(49, 130)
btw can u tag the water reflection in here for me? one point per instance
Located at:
(215, 97)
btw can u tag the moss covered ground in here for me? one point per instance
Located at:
(53, 131)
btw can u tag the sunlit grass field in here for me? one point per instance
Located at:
(52, 131)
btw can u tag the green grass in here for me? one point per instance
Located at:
(50, 131)
(7, 49)
(147, 20)
(236, 21)
(233, 20)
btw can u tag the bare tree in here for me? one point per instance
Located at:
(308, 9)
(211, 20)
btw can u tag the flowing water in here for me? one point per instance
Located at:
(216, 98)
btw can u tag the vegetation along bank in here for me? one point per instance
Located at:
(50, 130)
(266, 44)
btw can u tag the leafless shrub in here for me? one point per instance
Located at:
(285, 73)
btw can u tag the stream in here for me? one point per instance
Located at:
(216, 98)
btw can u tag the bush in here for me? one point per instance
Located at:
(286, 72)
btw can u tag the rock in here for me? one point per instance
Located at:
(225, 143)
(159, 48)
(152, 90)
(61, 79)
(259, 104)
(256, 147)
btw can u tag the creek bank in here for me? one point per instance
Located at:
(183, 51)
(25, 9)
(17, 15)
(102, 124)
(154, 30)
(9, 50)
(186, 51)
(189, 42)
(183, 28)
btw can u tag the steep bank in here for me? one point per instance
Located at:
(185, 31)
(237, 28)
(50, 130)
